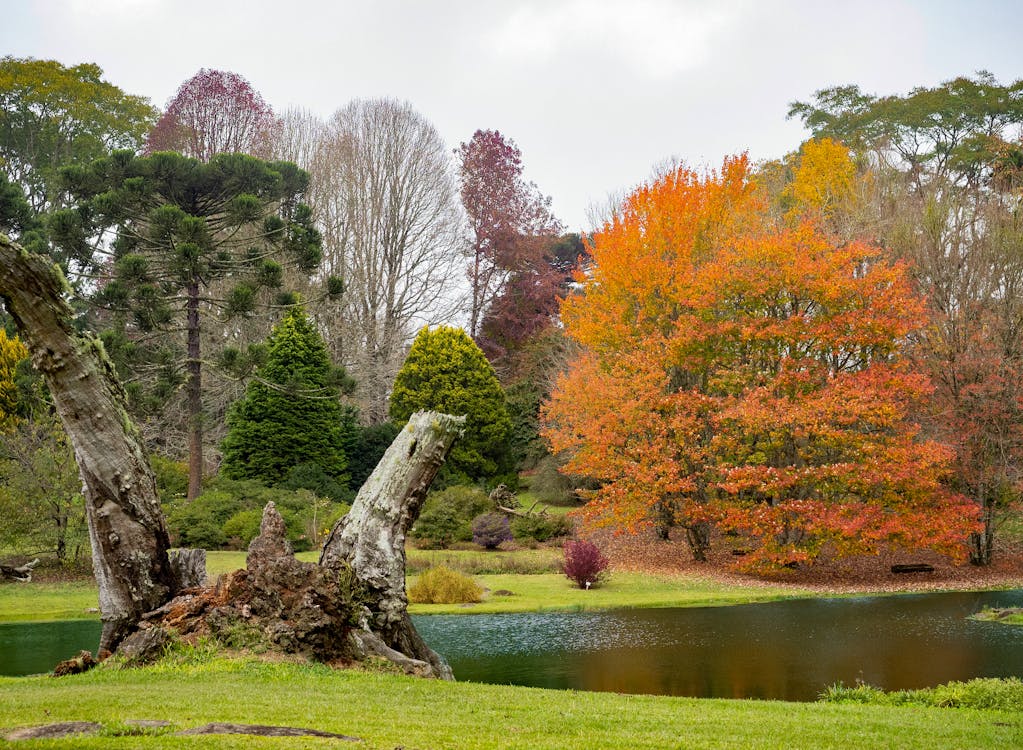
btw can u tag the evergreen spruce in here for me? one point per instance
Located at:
(290, 415)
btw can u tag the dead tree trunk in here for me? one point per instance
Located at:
(126, 526)
(371, 537)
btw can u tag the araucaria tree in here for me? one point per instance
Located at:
(747, 373)
(214, 112)
(445, 371)
(190, 240)
(510, 221)
(290, 414)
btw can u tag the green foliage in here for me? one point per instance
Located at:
(171, 476)
(290, 428)
(540, 528)
(447, 515)
(228, 513)
(52, 116)
(41, 506)
(442, 585)
(368, 448)
(1002, 694)
(445, 371)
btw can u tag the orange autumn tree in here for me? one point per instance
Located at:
(747, 374)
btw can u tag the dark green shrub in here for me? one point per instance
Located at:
(312, 477)
(442, 585)
(540, 528)
(368, 448)
(227, 514)
(447, 515)
(490, 529)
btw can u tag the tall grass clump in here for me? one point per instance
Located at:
(1002, 694)
(441, 585)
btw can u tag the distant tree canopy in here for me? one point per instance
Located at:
(291, 414)
(214, 112)
(52, 116)
(446, 372)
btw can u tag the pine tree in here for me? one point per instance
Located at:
(445, 371)
(290, 415)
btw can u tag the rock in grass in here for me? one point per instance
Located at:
(55, 731)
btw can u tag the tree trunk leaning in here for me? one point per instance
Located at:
(126, 526)
(370, 539)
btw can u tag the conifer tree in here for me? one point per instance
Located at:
(291, 414)
(445, 371)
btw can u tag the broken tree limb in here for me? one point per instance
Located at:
(371, 537)
(126, 526)
(22, 573)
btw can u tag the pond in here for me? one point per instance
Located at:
(782, 650)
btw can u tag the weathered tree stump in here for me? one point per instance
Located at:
(370, 539)
(189, 567)
(126, 525)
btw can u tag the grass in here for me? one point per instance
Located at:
(529, 593)
(538, 593)
(388, 711)
(28, 602)
(1013, 616)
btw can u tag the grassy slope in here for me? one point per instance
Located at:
(388, 711)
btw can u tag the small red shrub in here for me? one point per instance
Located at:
(584, 563)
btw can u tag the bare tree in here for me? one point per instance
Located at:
(384, 198)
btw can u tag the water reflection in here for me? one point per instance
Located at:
(784, 650)
(37, 647)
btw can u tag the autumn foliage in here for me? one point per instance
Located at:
(748, 374)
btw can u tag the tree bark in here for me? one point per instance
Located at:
(126, 526)
(371, 537)
(194, 396)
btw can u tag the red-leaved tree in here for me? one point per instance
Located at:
(749, 374)
(214, 112)
(510, 221)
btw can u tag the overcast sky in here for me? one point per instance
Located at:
(595, 92)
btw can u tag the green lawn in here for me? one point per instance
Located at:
(529, 593)
(555, 592)
(23, 602)
(389, 711)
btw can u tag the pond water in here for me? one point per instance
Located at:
(782, 650)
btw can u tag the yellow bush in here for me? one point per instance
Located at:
(441, 585)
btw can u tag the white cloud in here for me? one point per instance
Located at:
(656, 38)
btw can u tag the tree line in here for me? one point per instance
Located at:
(816, 355)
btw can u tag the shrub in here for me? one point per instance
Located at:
(541, 528)
(447, 516)
(490, 529)
(446, 371)
(228, 513)
(1003, 694)
(584, 563)
(442, 585)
